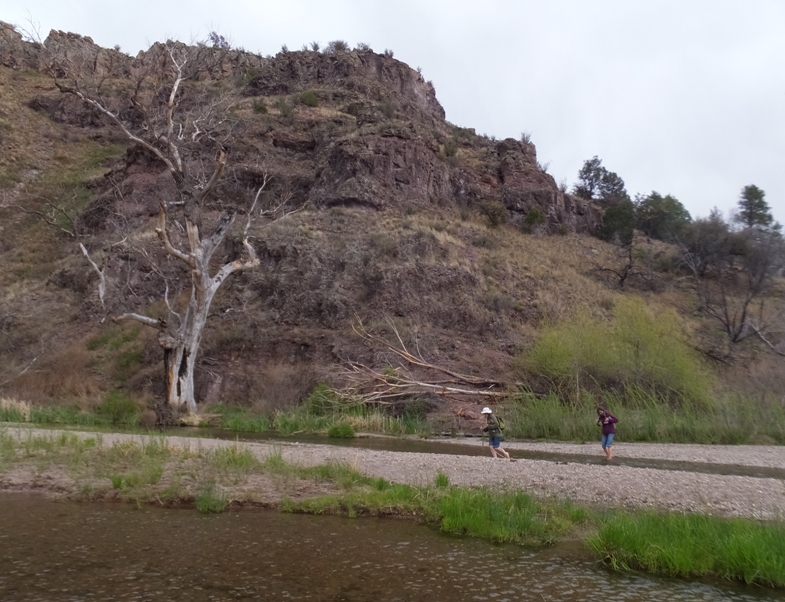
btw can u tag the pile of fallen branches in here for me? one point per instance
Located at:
(397, 384)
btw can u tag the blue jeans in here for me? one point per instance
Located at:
(607, 440)
(495, 442)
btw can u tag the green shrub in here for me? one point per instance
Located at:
(259, 106)
(496, 213)
(324, 401)
(337, 46)
(341, 430)
(119, 409)
(534, 218)
(309, 99)
(637, 348)
(442, 480)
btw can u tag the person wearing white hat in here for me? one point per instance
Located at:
(494, 430)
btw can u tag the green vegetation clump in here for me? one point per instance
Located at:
(240, 419)
(496, 213)
(119, 410)
(113, 338)
(499, 516)
(685, 545)
(309, 99)
(662, 217)
(233, 460)
(534, 218)
(337, 46)
(211, 500)
(638, 349)
(342, 430)
(260, 107)
(442, 480)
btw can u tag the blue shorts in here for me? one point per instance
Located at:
(607, 440)
(495, 442)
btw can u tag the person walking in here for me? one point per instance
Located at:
(494, 430)
(608, 423)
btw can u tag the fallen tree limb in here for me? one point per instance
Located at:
(395, 385)
(404, 354)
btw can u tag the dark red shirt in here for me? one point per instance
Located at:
(610, 426)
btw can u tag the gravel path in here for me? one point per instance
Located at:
(603, 485)
(766, 456)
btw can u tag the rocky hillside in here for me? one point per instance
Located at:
(463, 242)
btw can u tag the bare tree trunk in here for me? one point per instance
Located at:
(181, 342)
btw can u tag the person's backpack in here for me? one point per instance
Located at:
(500, 420)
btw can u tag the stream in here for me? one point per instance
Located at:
(480, 448)
(55, 550)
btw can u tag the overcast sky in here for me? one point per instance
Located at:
(685, 97)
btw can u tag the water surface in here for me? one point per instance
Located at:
(51, 551)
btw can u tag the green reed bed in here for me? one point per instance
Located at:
(693, 546)
(645, 417)
(53, 415)
(499, 516)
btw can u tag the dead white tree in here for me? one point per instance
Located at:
(185, 130)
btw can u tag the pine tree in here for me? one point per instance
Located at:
(754, 211)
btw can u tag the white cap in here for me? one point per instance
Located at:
(486, 410)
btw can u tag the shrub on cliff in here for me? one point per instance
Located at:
(496, 213)
(337, 46)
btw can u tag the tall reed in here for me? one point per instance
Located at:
(685, 545)
(643, 416)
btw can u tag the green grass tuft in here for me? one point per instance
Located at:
(686, 545)
(341, 430)
(211, 500)
(442, 480)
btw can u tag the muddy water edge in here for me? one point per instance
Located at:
(56, 550)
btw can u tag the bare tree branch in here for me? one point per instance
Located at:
(101, 275)
(164, 237)
(404, 354)
(152, 322)
(30, 365)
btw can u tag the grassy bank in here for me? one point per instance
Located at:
(693, 546)
(151, 471)
(643, 417)
(323, 412)
(303, 419)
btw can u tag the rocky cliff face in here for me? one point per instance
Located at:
(393, 195)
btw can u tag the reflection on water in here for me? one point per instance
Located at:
(67, 551)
